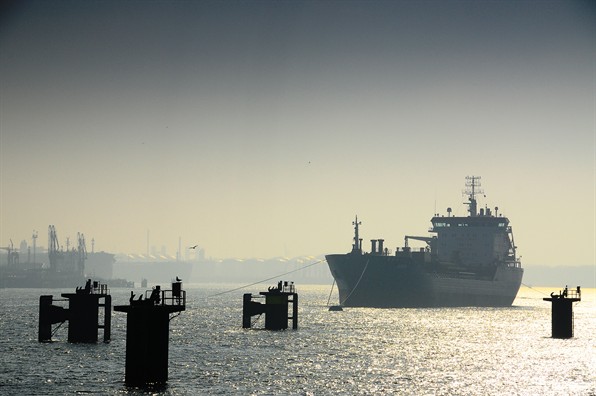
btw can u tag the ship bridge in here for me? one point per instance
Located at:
(479, 239)
(474, 240)
(443, 223)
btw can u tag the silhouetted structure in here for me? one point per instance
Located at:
(275, 307)
(147, 333)
(49, 315)
(470, 262)
(66, 269)
(562, 311)
(82, 314)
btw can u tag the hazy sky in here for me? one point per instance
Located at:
(259, 129)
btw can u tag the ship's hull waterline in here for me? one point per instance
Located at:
(387, 282)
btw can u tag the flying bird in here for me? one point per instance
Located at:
(193, 247)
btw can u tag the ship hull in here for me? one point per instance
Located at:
(366, 280)
(40, 278)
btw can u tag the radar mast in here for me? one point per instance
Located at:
(472, 188)
(356, 246)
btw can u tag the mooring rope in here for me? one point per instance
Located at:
(357, 283)
(536, 290)
(329, 299)
(265, 280)
(255, 321)
(57, 327)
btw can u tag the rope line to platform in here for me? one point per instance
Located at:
(357, 283)
(255, 321)
(329, 299)
(56, 329)
(268, 279)
(536, 290)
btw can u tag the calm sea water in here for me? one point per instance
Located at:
(360, 351)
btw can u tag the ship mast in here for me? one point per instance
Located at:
(356, 245)
(472, 188)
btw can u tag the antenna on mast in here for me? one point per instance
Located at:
(357, 243)
(472, 188)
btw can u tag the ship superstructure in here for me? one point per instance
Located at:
(478, 240)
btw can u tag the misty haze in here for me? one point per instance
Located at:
(425, 170)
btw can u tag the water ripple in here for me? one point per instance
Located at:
(360, 351)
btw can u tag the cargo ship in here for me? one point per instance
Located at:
(470, 261)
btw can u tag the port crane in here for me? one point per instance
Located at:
(13, 255)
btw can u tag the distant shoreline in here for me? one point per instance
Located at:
(559, 276)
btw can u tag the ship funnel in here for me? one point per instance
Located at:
(373, 245)
(381, 245)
